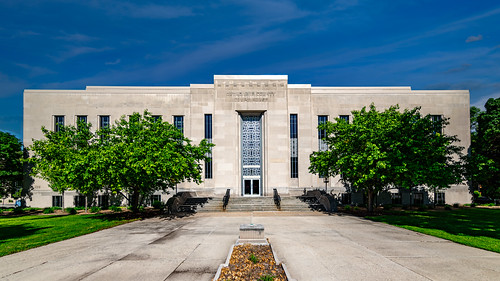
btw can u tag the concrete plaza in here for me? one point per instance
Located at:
(314, 246)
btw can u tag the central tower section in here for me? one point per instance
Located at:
(251, 133)
(251, 154)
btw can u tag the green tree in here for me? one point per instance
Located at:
(65, 159)
(483, 160)
(144, 155)
(11, 166)
(381, 150)
(135, 157)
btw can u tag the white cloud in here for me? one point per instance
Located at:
(73, 51)
(474, 38)
(35, 70)
(117, 61)
(75, 37)
(149, 11)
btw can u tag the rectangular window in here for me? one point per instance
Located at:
(58, 122)
(155, 198)
(440, 198)
(294, 148)
(103, 201)
(57, 201)
(208, 137)
(346, 198)
(179, 123)
(436, 119)
(396, 198)
(157, 117)
(79, 201)
(103, 121)
(322, 119)
(345, 118)
(418, 198)
(81, 118)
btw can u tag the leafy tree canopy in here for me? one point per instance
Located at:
(483, 161)
(136, 156)
(380, 150)
(11, 166)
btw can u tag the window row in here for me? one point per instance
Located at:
(104, 121)
(103, 201)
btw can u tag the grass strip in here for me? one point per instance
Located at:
(473, 227)
(26, 232)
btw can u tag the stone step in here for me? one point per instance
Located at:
(247, 204)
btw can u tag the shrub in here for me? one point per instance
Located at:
(347, 207)
(473, 205)
(31, 209)
(115, 208)
(95, 209)
(253, 258)
(423, 208)
(141, 208)
(477, 194)
(56, 208)
(355, 208)
(79, 208)
(456, 205)
(71, 211)
(158, 205)
(48, 210)
(447, 207)
(1, 211)
(18, 211)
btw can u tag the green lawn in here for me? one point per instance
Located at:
(474, 227)
(26, 232)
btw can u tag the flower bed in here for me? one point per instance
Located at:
(252, 262)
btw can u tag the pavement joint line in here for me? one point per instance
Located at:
(19, 271)
(187, 256)
(380, 255)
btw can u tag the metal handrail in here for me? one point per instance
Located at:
(277, 199)
(225, 200)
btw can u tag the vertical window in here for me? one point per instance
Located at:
(345, 118)
(294, 149)
(436, 120)
(81, 119)
(104, 121)
(57, 201)
(155, 198)
(208, 137)
(179, 123)
(396, 198)
(58, 123)
(79, 201)
(322, 119)
(103, 201)
(440, 198)
(418, 198)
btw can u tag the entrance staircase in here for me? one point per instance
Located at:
(249, 204)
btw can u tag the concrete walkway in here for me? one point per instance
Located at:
(313, 246)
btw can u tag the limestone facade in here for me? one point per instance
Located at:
(228, 100)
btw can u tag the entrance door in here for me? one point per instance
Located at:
(251, 155)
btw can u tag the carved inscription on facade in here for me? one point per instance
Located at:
(250, 96)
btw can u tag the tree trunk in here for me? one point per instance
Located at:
(135, 201)
(370, 201)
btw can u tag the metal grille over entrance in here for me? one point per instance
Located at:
(251, 155)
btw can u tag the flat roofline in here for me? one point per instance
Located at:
(251, 77)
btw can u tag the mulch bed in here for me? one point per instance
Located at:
(241, 266)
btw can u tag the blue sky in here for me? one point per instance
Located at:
(419, 43)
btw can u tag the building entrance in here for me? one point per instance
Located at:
(251, 155)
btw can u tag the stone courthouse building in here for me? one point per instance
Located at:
(264, 129)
